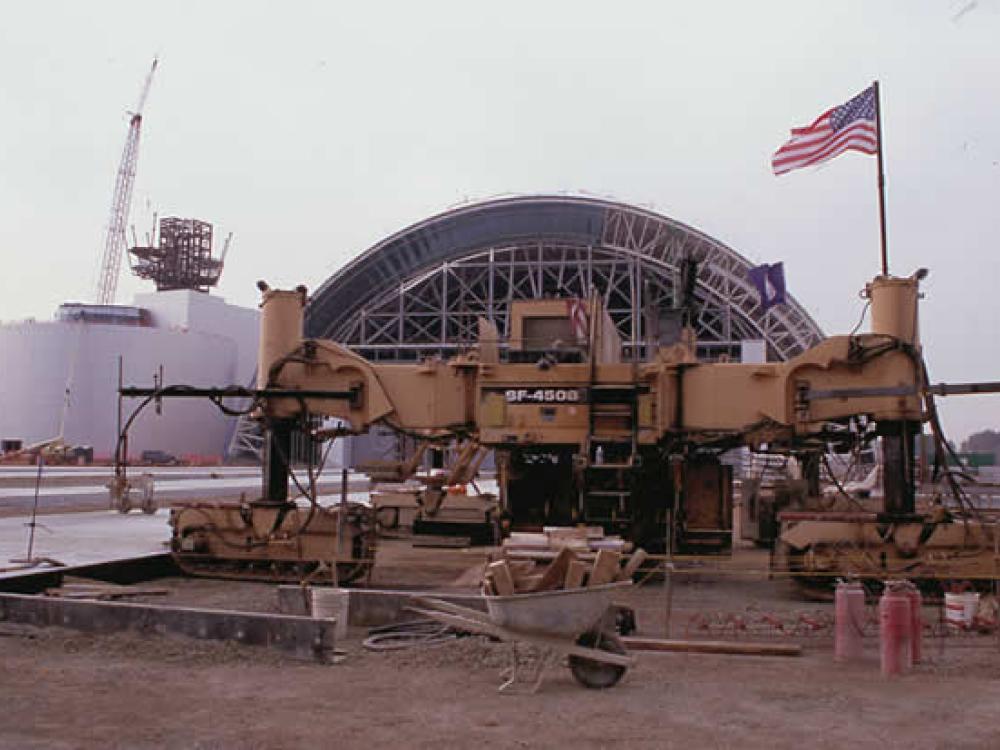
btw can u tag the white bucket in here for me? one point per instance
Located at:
(332, 604)
(960, 609)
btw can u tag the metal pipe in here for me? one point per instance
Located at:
(34, 509)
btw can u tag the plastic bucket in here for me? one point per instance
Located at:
(960, 609)
(332, 604)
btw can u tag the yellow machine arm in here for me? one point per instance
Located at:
(531, 403)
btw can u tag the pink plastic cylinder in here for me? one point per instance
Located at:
(895, 620)
(849, 620)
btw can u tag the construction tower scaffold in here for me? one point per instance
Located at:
(182, 257)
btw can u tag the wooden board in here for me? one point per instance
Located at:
(525, 583)
(489, 585)
(637, 559)
(521, 567)
(606, 567)
(575, 574)
(555, 573)
(503, 581)
(526, 539)
(713, 647)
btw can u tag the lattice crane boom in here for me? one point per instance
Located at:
(121, 202)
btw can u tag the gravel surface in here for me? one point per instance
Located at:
(63, 689)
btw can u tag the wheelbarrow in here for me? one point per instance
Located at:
(575, 624)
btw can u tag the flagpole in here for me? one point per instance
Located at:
(881, 179)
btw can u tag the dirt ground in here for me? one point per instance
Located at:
(61, 689)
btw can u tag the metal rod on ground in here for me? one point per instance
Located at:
(34, 509)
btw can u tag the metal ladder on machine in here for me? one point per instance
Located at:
(612, 454)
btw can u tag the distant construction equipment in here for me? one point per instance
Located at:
(121, 202)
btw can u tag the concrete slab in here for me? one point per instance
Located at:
(83, 538)
(86, 487)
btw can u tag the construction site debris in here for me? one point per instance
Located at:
(567, 569)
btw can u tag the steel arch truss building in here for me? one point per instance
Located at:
(419, 292)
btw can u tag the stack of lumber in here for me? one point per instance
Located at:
(585, 541)
(566, 571)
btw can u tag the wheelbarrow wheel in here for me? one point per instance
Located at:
(593, 674)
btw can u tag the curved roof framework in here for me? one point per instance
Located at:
(420, 291)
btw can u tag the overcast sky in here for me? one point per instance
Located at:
(312, 130)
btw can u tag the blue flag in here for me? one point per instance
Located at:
(769, 279)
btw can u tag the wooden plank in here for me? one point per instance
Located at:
(503, 581)
(542, 556)
(595, 654)
(637, 559)
(489, 584)
(713, 647)
(559, 535)
(527, 539)
(575, 574)
(521, 567)
(606, 567)
(555, 573)
(527, 583)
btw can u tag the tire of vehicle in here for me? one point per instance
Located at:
(597, 675)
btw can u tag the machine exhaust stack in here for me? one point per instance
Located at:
(280, 327)
(894, 313)
(894, 306)
(280, 332)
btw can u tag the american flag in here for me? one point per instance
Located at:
(577, 309)
(849, 127)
